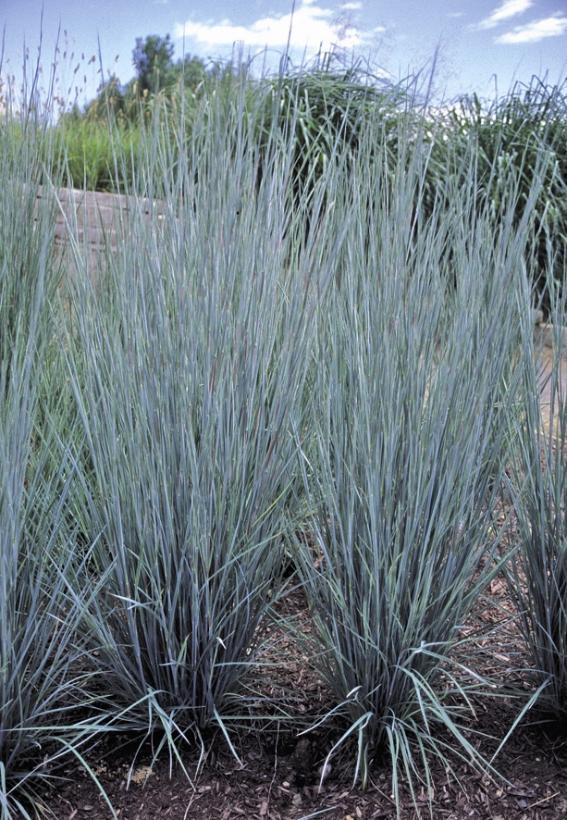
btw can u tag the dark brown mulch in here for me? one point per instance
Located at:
(278, 787)
(278, 776)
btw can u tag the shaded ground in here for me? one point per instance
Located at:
(265, 788)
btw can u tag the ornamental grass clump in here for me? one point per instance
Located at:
(42, 671)
(403, 468)
(324, 107)
(41, 681)
(538, 575)
(188, 377)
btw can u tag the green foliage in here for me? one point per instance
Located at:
(97, 156)
(158, 76)
(153, 60)
(113, 101)
(521, 136)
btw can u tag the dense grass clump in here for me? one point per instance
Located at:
(188, 380)
(316, 345)
(521, 135)
(409, 444)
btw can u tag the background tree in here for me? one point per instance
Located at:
(153, 61)
(111, 98)
(191, 71)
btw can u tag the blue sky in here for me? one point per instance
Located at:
(476, 39)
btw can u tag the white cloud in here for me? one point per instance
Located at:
(355, 5)
(456, 14)
(506, 10)
(314, 26)
(553, 26)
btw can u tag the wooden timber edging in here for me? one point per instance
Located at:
(95, 218)
(91, 223)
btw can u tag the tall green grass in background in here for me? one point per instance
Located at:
(97, 156)
(318, 345)
(523, 131)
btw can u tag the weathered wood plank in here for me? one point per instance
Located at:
(99, 220)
